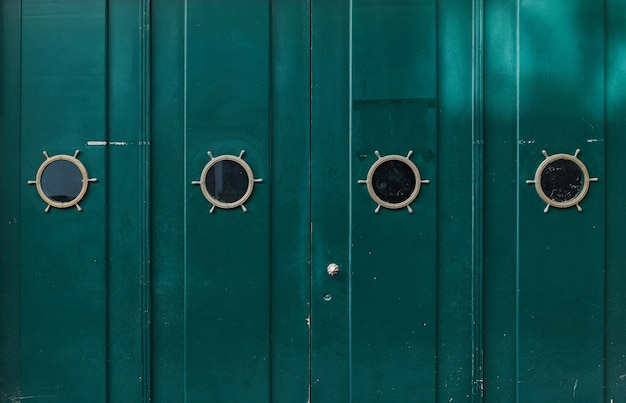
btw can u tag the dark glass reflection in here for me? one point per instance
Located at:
(227, 181)
(393, 181)
(61, 181)
(561, 180)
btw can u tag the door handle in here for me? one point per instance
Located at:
(332, 269)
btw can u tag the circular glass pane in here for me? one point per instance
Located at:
(61, 181)
(393, 181)
(227, 181)
(561, 180)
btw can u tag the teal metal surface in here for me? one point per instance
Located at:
(168, 184)
(330, 200)
(393, 253)
(127, 241)
(561, 291)
(10, 207)
(63, 253)
(615, 104)
(231, 289)
(455, 195)
(227, 255)
(500, 216)
(545, 277)
(290, 196)
(374, 88)
(81, 306)
(478, 295)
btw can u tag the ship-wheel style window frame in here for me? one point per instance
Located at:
(212, 198)
(47, 164)
(414, 192)
(580, 195)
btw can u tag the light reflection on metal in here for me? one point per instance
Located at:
(332, 269)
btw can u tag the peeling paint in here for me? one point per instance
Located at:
(115, 143)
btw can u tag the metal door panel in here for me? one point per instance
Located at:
(63, 276)
(63, 253)
(290, 192)
(330, 200)
(10, 27)
(227, 272)
(72, 281)
(560, 272)
(145, 294)
(545, 273)
(393, 255)
(374, 89)
(128, 168)
(167, 230)
(500, 237)
(231, 287)
(458, 159)
(615, 104)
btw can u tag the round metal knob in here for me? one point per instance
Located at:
(332, 269)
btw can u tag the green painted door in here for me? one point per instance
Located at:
(332, 279)
(374, 96)
(553, 290)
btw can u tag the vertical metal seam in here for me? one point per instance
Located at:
(145, 195)
(107, 213)
(20, 233)
(310, 199)
(477, 196)
(184, 187)
(438, 275)
(270, 208)
(605, 318)
(517, 198)
(350, 202)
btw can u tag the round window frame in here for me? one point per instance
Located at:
(573, 201)
(213, 200)
(83, 172)
(414, 193)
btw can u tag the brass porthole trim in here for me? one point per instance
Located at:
(213, 200)
(586, 181)
(406, 203)
(55, 203)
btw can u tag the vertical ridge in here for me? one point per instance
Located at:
(310, 198)
(477, 195)
(350, 202)
(107, 212)
(184, 186)
(517, 198)
(270, 208)
(145, 193)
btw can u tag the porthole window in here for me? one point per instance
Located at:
(62, 181)
(562, 180)
(227, 181)
(393, 182)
